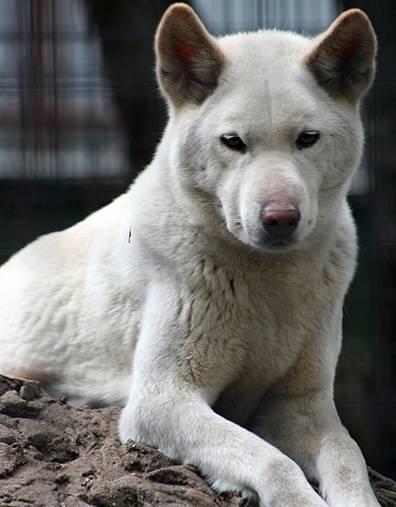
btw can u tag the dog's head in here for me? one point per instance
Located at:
(265, 126)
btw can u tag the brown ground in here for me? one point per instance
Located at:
(54, 455)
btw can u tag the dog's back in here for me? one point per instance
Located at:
(63, 308)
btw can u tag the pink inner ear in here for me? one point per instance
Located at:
(185, 52)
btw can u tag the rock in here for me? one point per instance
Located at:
(13, 405)
(52, 454)
(53, 445)
(30, 391)
(7, 435)
(11, 457)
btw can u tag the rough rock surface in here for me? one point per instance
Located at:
(52, 454)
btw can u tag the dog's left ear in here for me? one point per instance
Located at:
(342, 59)
(189, 60)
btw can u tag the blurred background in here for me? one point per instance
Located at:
(80, 116)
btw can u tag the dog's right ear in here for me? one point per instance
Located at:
(189, 60)
(342, 59)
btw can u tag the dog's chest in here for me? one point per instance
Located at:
(246, 330)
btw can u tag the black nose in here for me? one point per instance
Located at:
(280, 223)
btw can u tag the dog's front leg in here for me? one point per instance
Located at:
(174, 414)
(308, 429)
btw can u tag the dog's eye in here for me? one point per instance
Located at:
(307, 138)
(233, 142)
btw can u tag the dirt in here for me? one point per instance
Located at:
(52, 454)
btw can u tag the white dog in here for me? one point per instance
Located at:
(208, 299)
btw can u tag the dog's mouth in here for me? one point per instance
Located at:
(264, 238)
(276, 245)
(264, 243)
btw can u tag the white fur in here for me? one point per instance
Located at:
(222, 350)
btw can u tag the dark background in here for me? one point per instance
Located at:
(80, 116)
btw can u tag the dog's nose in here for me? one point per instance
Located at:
(280, 222)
